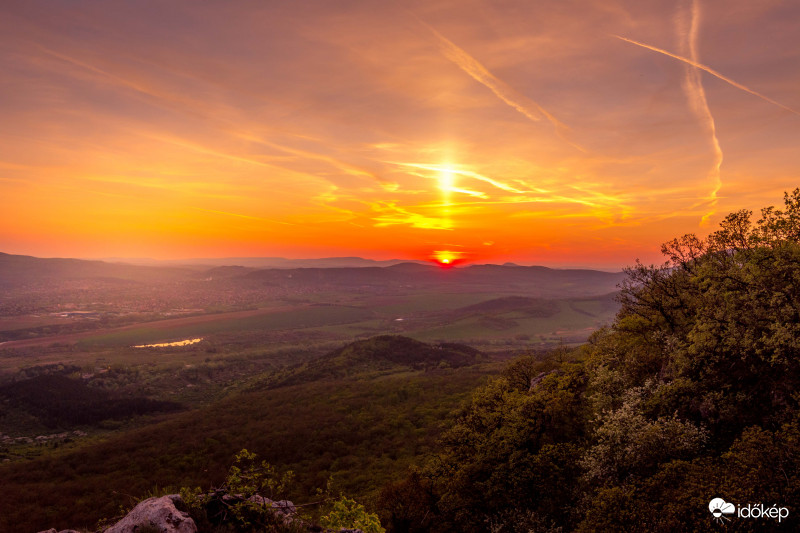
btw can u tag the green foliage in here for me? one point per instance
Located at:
(347, 513)
(718, 324)
(515, 447)
(248, 477)
(627, 443)
(240, 502)
(409, 505)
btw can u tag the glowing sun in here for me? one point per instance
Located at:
(446, 258)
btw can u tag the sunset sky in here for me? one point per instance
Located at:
(559, 133)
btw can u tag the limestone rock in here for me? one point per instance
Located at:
(540, 377)
(158, 512)
(281, 507)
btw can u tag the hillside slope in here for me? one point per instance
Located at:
(363, 430)
(378, 354)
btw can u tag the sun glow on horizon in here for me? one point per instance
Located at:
(447, 258)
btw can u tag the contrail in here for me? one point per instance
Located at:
(693, 85)
(501, 89)
(710, 71)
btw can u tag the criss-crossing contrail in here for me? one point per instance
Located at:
(693, 85)
(710, 71)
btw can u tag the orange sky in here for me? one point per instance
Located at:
(555, 133)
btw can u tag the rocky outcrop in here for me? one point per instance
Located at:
(535, 381)
(159, 513)
(163, 515)
(283, 508)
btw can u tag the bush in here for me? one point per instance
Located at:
(346, 513)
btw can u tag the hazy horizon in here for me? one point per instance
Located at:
(199, 261)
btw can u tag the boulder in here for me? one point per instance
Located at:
(281, 507)
(156, 512)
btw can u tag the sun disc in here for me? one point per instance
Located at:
(446, 258)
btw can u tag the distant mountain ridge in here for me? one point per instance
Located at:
(377, 276)
(543, 281)
(15, 269)
(267, 262)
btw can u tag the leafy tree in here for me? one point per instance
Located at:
(512, 449)
(347, 513)
(240, 502)
(629, 444)
(719, 323)
(409, 505)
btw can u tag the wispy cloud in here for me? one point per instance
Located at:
(461, 172)
(239, 215)
(348, 168)
(200, 189)
(501, 89)
(468, 192)
(209, 151)
(108, 75)
(390, 215)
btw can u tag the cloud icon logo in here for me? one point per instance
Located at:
(720, 507)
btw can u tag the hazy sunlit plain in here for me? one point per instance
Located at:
(555, 133)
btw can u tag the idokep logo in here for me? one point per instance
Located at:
(720, 508)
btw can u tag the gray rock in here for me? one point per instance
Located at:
(158, 512)
(540, 377)
(282, 507)
(285, 507)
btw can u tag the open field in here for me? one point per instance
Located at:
(572, 323)
(452, 317)
(299, 317)
(159, 328)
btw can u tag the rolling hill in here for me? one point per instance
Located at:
(378, 354)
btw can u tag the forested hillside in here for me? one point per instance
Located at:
(352, 421)
(691, 395)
